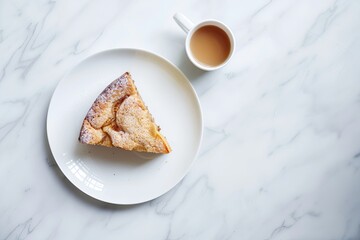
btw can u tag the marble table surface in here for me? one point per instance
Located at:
(280, 156)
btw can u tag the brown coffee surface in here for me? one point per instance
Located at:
(210, 45)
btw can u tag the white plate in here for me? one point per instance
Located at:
(114, 175)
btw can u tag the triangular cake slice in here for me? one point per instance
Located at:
(119, 118)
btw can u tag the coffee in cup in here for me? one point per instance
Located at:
(209, 44)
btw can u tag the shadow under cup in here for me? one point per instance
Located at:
(210, 45)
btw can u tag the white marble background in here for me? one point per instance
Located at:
(280, 157)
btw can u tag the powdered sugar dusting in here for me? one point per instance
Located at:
(85, 136)
(109, 91)
(113, 89)
(117, 85)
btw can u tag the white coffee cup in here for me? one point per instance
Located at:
(190, 28)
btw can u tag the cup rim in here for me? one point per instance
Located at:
(209, 22)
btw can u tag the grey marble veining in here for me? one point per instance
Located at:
(280, 156)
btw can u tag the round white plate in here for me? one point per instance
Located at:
(114, 175)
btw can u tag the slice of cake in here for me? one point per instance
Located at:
(119, 118)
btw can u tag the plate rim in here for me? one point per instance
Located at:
(188, 83)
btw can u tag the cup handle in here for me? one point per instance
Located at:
(183, 22)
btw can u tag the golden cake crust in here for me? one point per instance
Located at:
(119, 118)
